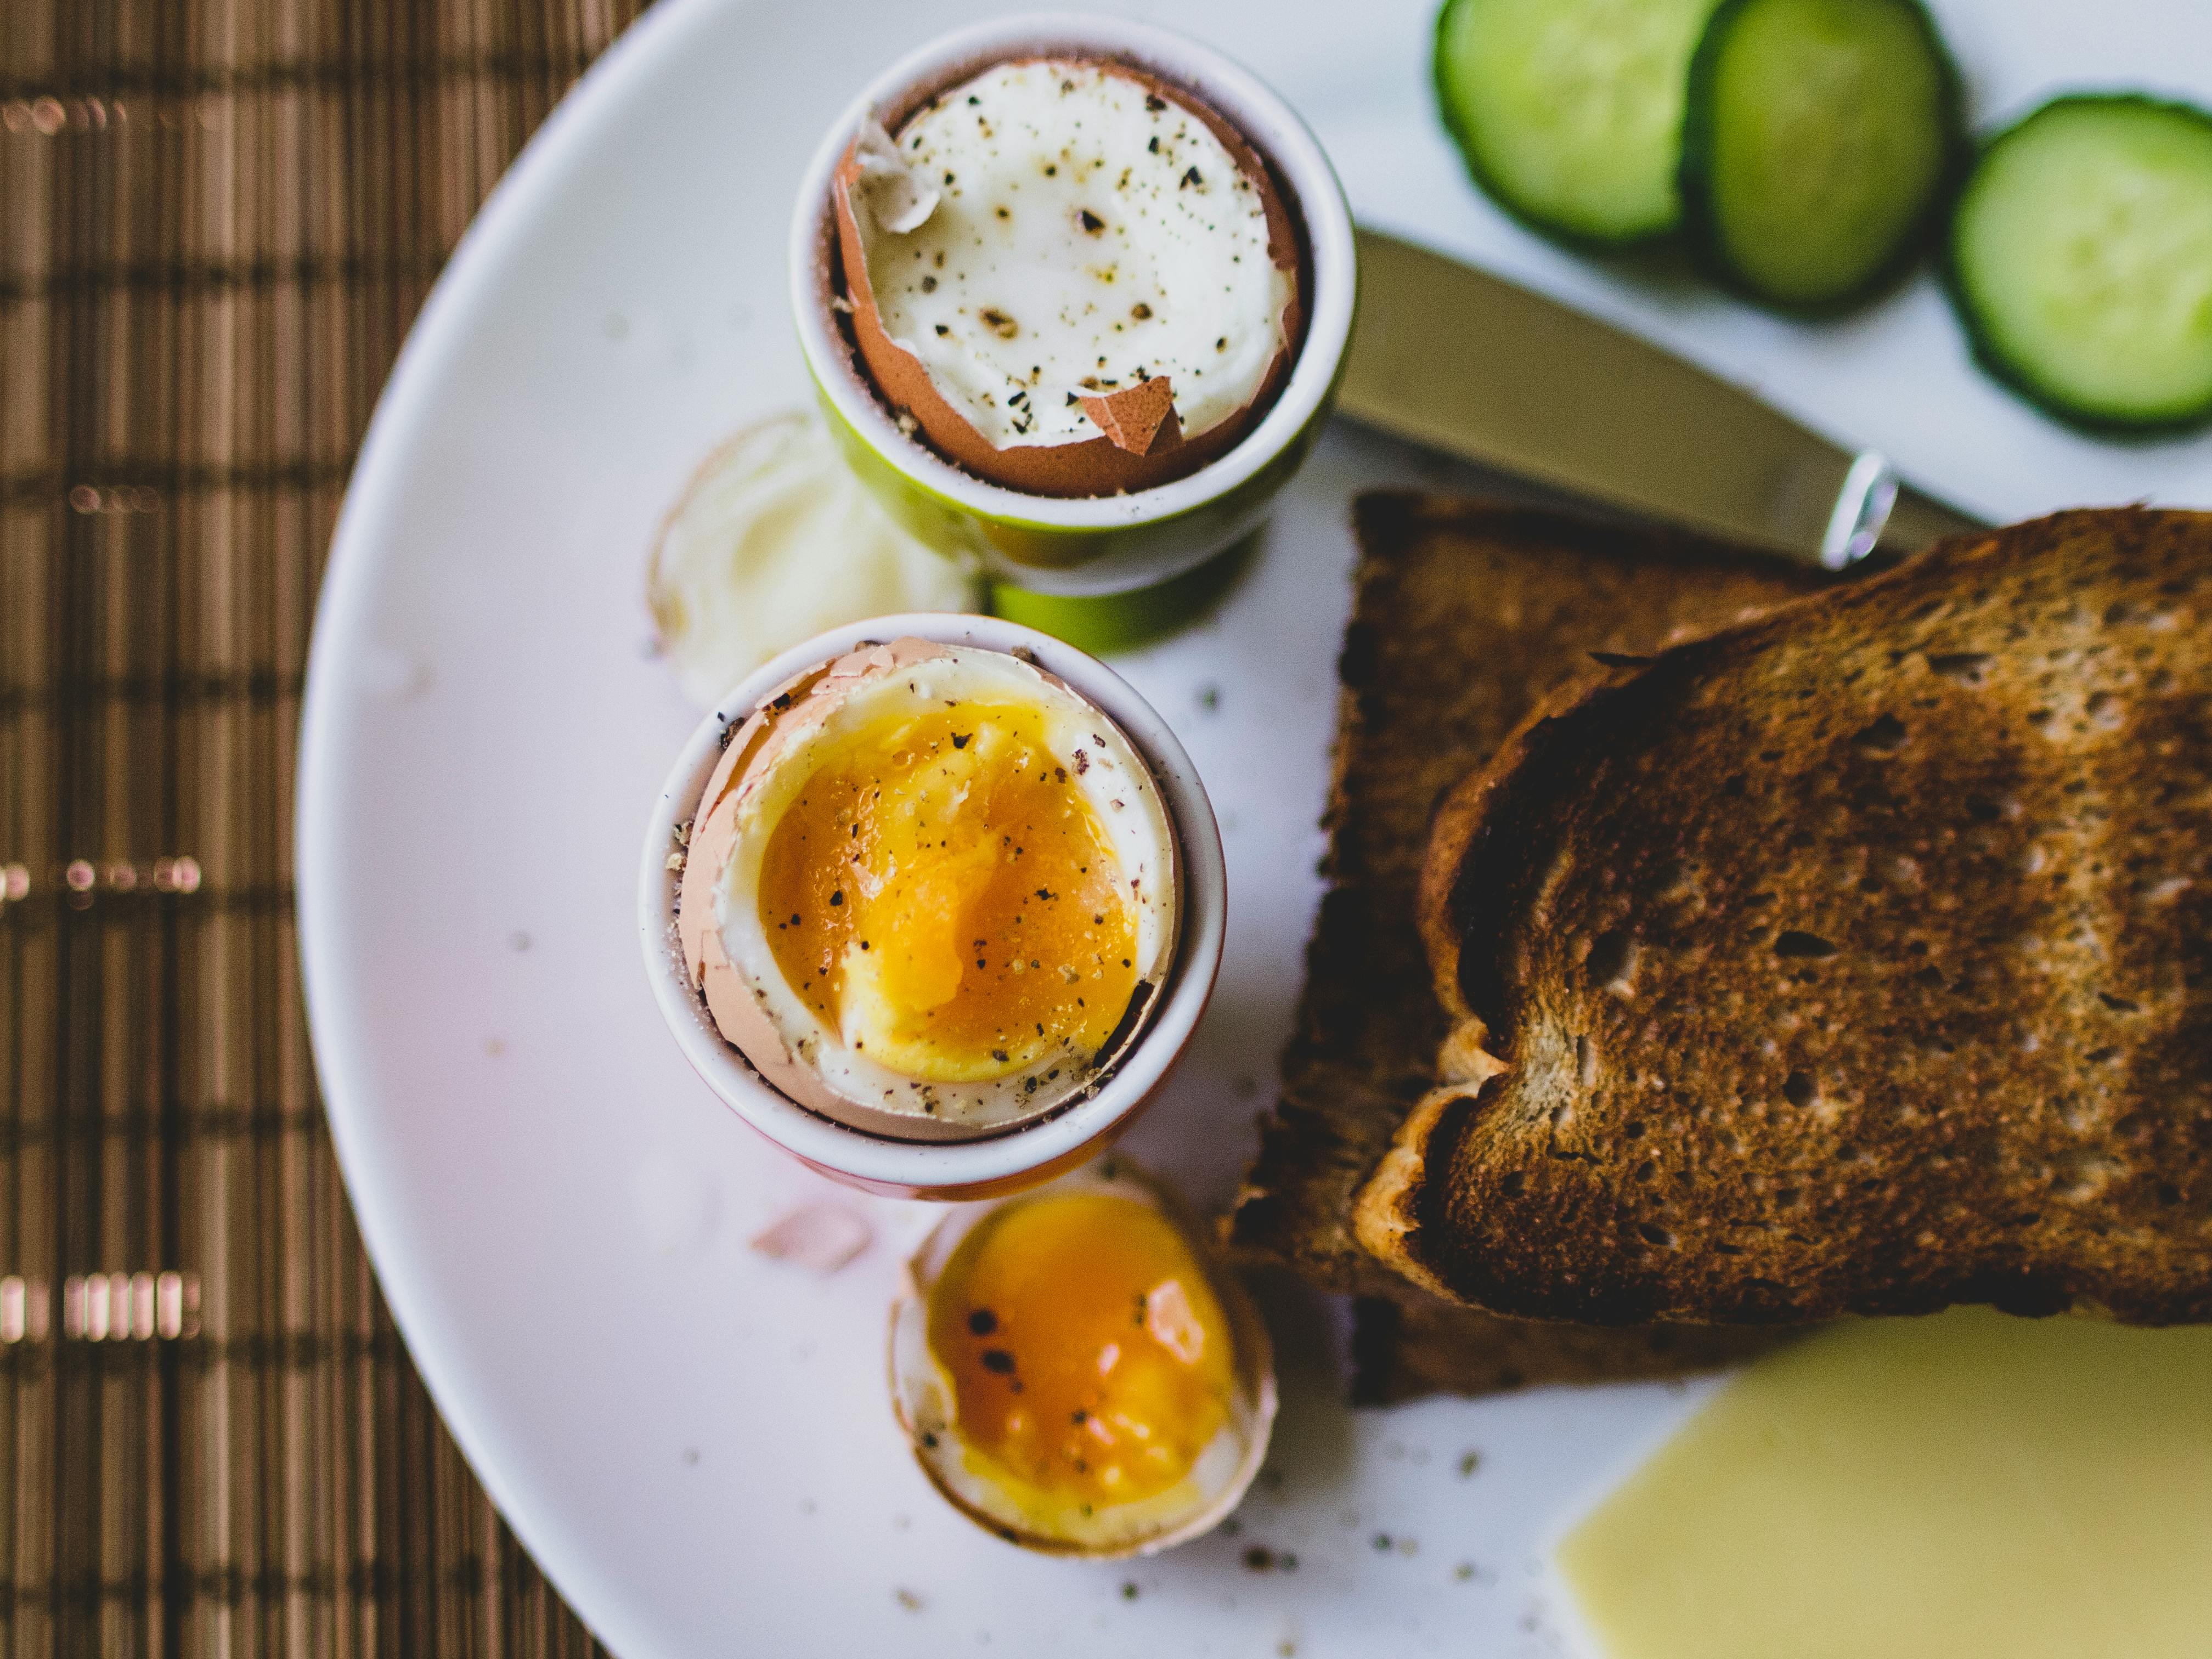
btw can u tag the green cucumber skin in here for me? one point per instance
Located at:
(1702, 233)
(1995, 361)
(1488, 183)
(1495, 188)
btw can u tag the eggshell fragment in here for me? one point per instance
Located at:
(819, 1237)
(1107, 464)
(899, 200)
(1138, 418)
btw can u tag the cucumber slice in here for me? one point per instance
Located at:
(1820, 140)
(1570, 111)
(2081, 261)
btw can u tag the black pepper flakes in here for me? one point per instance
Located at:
(998, 1361)
(982, 1321)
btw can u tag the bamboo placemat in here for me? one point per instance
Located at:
(216, 221)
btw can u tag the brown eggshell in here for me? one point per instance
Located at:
(1090, 466)
(1138, 418)
(786, 716)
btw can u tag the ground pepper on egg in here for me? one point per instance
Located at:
(1089, 1358)
(930, 818)
(1085, 250)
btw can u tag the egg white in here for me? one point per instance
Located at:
(774, 541)
(1087, 235)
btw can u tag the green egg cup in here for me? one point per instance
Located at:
(1084, 546)
(1064, 559)
(1106, 624)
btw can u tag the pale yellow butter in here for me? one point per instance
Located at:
(1957, 1487)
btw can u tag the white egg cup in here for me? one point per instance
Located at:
(1098, 544)
(1017, 1158)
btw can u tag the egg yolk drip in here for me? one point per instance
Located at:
(943, 894)
(1090, 1359)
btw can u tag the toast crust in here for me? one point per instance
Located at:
(1924, 1018)
(1465, 614)
(1388, 1207)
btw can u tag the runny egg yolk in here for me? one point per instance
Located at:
(1090, 1359)
(944, 896)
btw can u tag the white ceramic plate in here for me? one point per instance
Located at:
(695, 1441)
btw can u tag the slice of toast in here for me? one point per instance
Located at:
(1855, 960)
(1464, 615)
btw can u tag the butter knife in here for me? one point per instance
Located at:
(1466, 362)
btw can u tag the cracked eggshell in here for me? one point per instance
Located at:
(783, 718)
(922, 1395)
(1091, 466)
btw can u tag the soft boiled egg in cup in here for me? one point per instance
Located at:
(1075, 294)
(934, 902)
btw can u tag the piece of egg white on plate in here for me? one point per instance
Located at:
(774, 541)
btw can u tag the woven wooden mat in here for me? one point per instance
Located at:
(217, 218)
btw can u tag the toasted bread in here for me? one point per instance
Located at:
(1854, 960)
(1464, 615)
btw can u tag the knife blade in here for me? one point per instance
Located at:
(1464, 362)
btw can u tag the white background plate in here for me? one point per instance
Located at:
(693, 1440)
